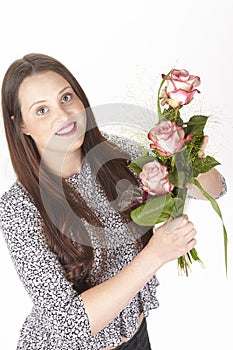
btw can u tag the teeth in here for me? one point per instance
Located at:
(66, 130)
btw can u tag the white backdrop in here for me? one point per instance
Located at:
(118, 50)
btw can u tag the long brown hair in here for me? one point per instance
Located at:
(75, 257)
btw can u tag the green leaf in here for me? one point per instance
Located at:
(181, 171)
(195, 256)
(172, 114)
(218, 211)
(178, 207)
(162, 159)
(144, 152)
(178, 179)
(135, 168)
(202, 165)
(194, 145)
(169, 113)
(138, 163)
(154, 211)
(196, 124)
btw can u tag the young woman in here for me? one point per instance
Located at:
(89, 271)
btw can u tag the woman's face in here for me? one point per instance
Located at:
(52, 113)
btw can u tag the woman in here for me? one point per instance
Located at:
(88, 269)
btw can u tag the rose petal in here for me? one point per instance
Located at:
(154, 178)
(180, 74)
(180, 131)
(182, 96)
(160, 150)
(194, 80)
(178, 85)
(173, 103)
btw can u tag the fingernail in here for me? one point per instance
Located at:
(172, 224)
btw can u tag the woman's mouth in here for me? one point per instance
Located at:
(67, 130)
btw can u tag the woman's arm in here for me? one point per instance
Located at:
(56, 303)
(105, 301)
(212, 182)
(72, 318)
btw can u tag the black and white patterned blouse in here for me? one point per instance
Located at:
(58, 320)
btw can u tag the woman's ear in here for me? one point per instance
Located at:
(24, 129)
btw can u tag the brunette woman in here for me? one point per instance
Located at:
(89, 271)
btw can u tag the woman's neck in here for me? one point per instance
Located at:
(64, 164)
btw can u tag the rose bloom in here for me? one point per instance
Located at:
(154, 178)
(167, 137)
(180, 88)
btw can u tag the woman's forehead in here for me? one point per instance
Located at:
(41, 86)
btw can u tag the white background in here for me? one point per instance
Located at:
(118, 50)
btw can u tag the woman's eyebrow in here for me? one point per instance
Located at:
(36, 103)
(67, 87)
(41, 101)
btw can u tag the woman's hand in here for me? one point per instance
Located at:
(172, 240)
(211, 181)
(104, 301)
(201, 153)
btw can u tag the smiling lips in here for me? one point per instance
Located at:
(67, 130)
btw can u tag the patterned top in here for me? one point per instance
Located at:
(58, 320)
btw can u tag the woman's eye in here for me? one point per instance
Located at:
(42, 111)
(66, 98)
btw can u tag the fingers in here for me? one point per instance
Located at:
(190, 234)
(183, 234)
(189, 240)
(191, 244)
(201, 153)
(205, 141)
(173, 224)
(179, 240)
(186, 229)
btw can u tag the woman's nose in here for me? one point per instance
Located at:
(60, 113)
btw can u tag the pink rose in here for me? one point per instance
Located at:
(180, 88)
(167, 137)
(154, 178)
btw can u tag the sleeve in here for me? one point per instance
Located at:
(224, 189)
(131, 146)
(134, 148)
(55, 301)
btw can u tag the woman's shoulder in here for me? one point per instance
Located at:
(15, 202)
(127, 143)
(14, 194)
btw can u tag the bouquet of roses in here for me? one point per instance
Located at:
(174, 160)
